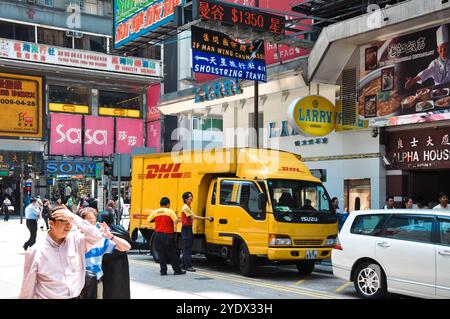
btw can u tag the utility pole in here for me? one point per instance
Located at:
(256, 105)
(22, 172)
(118, 189)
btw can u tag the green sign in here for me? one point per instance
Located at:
(126, 8)
(4, 173)
(98, 170)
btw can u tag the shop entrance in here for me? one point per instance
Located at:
(428, 184)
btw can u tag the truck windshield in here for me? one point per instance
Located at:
(298, 196)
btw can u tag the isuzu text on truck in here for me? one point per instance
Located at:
(266, 204)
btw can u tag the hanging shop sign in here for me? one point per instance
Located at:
(406, 75)
(65, 134)
(134, 19)
(108, 111)
(231, 14)
(68, 108)
(218, 54)
(217, 90)
(419, 149)
(21, 105)
(85, 168)
(129, 134)
(312, 115)
(45, 54)
(98, 136)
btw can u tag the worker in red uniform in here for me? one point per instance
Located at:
(165, 220)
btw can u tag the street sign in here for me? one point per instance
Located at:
(218, 54)
(122, 165)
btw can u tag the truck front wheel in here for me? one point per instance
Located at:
(306, 267)
(247, 262)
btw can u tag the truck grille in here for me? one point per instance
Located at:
(308, 242)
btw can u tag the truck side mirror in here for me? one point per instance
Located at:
(262, 202)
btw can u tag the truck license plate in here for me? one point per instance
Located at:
(311, 254)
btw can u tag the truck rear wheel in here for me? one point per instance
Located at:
(247, 262)
(306, 267)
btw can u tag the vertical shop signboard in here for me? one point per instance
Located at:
(98, 136)
(129, 134)
(154, 135)
(65, 134)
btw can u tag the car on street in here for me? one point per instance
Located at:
(403, 251)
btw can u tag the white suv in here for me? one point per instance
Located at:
(399, 251)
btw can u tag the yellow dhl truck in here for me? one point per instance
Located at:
(266, 204)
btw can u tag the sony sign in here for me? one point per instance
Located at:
(70, 168)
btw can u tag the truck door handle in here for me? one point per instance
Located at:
(223, 221)
(444, 253)
(383, 244)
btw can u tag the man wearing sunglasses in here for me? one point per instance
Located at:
(55, 268)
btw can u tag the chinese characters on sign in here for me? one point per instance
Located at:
(238, 15)
(39, 53)
(21, 105)
(316, 141)
(420, 149)
(216, 53)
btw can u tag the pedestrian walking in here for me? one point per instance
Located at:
(110, 211)
(94, 257)
(443, 202)
(31, 216)
(46, 212)
(165, 220)
(341, 215)
(187, 219)
(7, 207)
(55, 268)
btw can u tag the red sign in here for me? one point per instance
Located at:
(154, 135)
(164, 171)
(153, 97)
(65, 134)
(129, 134)
(419, 149)
(98, 136)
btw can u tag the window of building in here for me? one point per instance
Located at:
(356, 194)
(69, 95)
(411, 228)
(17, 31)
(120, 100)
(49, 3)
(54, 37)
(91, 43)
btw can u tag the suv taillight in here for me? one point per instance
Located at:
(338, 245)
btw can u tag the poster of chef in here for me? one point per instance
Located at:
(406, 75)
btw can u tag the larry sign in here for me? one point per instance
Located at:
(217, 90)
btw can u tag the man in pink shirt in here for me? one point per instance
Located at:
(55, 268)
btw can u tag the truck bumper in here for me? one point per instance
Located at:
(292, 253)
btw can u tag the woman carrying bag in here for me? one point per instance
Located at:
(7, 208)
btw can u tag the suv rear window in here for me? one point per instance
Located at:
(369, 225)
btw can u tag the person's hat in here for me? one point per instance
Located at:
(442, 35)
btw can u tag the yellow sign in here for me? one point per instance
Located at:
(21, 105)
(313, 115)
(68, 108)
(119, 112)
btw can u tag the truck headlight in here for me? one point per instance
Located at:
(279, 240)
(330, 241)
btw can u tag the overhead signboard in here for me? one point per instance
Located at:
(134, 19)
(68, 108)
(312, 115)
(218, 54)
(232, 14)
(85, 168)
(406, 76)
(109, 111)
(80, 59)
(20, 105)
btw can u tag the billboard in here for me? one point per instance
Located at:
(21, 105)
(129, 133)
(133, 19)
(406, 76)
(154, 135)
(153, 97)
(98, 136)
(65, 134)
(218, 54)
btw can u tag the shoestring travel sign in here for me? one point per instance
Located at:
(21, 105)
(134, 19)
(218, 54)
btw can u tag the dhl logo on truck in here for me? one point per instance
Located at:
(291, 169)
(164, 171)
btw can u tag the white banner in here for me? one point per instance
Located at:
(47, 54)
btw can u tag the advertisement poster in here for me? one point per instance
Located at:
(133, 19)
(65, 134)
(153, 97)
(407, 75)
(98, 136)
(218, 54)
(129, 133)
(21, 105)
(154, 135)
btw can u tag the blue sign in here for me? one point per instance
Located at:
(217, 54)
(217, 90)
(70, 168)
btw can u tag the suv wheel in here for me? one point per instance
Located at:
(370, 281)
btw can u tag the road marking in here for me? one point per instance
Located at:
(248, 281)
(347, 284)
(299, 282)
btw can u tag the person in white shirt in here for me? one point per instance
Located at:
(438, 70)
(443, 202)
(389, 203)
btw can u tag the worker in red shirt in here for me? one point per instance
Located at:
(187, 218)
(165, 220)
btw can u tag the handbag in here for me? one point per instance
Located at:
(11, 209)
